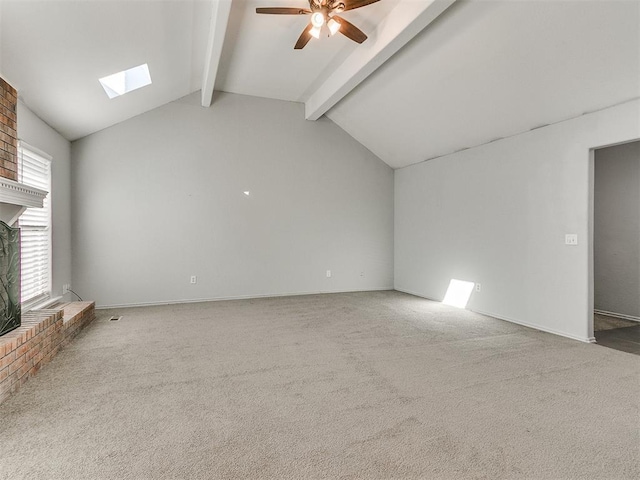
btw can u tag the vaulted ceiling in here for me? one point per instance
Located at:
(433, 77)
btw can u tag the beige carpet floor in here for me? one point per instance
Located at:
(366, 385)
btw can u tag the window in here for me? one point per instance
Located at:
(34, 169)
(126, 81)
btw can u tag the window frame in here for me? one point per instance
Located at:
(46, 295)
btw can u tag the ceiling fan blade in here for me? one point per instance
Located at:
(349, 30)
(352, 4)
(304, 38)
(283, 10)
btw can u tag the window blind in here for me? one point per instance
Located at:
(34, 169)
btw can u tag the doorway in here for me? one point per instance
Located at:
(616, 247)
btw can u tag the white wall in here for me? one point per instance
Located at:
(498, 214)
(617, 229)
(40, 135)
(159, 198)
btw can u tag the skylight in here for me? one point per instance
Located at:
(126, 81)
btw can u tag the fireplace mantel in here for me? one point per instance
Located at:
(16, 197)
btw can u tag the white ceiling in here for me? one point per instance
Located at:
(482, 70)
(491, 69)
(53, 52)
(258, 57)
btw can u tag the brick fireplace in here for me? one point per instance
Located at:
(15, 198)
(8, 131)
(27, 340)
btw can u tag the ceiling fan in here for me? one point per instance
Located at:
(324, 13)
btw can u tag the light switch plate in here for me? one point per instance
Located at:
(571, 239)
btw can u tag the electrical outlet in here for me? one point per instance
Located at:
(194, 279)
(478, 287)
(328, 273)
(65, 288)
(571, 239)
(362, 274)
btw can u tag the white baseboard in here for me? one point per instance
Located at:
(539, 327)
(416, 294)
(616, 315)
(275, 295)
(239, 297)
(511, 320)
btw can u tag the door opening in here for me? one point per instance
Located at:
(616, 247)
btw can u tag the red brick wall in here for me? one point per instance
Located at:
(8, 131)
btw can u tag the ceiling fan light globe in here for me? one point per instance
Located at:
(315, 32)
(334, 26)
(317, 20)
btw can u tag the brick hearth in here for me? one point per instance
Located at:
(29, 347)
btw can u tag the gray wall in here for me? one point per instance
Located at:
(498, 215)
(617, 229)
(159, 198)
(40, 135)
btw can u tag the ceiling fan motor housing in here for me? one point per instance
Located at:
(326, 6)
